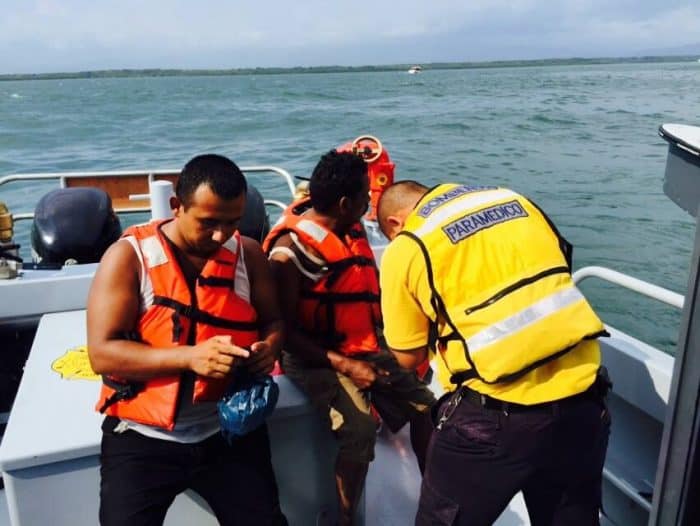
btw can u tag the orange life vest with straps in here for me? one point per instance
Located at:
(177, 317)
(341, 311)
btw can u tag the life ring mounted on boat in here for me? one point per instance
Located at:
(380, 169)
(368, 147)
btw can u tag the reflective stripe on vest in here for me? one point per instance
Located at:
(518, 321)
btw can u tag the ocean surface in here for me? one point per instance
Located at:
(581, 141)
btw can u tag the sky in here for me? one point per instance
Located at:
(39, 36)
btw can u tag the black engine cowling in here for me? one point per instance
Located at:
(74, 224)
(255, 222)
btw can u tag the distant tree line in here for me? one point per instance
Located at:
(157, 72)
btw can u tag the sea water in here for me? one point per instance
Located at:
(581, 141)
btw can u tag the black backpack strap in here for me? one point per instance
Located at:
(566, 248)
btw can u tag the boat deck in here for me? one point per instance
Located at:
(393, 485)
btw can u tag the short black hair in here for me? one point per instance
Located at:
(220, 173)
(337, 175)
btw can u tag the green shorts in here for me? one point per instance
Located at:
(397, 399)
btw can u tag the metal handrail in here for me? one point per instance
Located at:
(122, 173)
(60, 177)
(637, 285)
(25, 216)
(275, 202)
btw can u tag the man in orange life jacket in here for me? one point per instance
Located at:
(175, 307)
(482, 277)
(328, 286)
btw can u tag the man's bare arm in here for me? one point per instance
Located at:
(410, 358)
(263, 295)
(288, 282)
(112, 314)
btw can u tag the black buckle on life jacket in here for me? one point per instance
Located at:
(213, 281)
(122, 391)
(177, 327)
(460, 377)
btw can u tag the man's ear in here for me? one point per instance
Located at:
(175, 204)
(344, 205)
(393, 225)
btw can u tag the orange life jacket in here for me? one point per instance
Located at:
(215, 310)
(341, 311)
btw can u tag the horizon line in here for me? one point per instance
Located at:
(173, 71)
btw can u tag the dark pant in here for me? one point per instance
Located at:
(141, 476)
(483, 456)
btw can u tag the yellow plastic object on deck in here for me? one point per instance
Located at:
(75, 365)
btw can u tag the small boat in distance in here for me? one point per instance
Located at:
(414, 69)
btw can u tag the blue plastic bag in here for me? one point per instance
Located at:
(246, 405)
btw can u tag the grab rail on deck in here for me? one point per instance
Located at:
(613, 472)
(637, 285)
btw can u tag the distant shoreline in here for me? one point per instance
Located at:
(158, 72)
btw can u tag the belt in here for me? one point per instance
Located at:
(494, 404)
(442, 412)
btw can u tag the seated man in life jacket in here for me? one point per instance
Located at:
(175, 308)
(328, 286)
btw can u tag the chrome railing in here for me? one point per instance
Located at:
(637, 285)
(61, 177)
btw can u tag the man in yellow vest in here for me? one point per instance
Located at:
(480, 276)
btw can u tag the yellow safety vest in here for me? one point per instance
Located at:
(501, 283)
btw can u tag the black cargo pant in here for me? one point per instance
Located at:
(487, 451)
(141, 476)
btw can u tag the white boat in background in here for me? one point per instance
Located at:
(49, 456)
(414, 69)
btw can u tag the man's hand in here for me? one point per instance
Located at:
(215, 357)
(362, 374)
(262, 359)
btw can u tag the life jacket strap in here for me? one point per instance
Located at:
(337, 268)
(122, 391)
(357, 233)
(452, 336)
(460, 377)
(200, 316)
(213, 281)
(341, 297)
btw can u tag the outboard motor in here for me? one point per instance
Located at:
(73, 225)
(255, 222)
